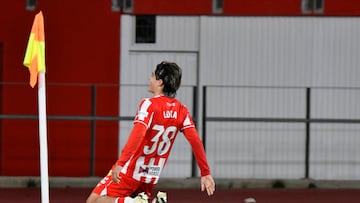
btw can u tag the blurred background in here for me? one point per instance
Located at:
(272, 85)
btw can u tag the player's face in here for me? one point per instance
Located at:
(155, 86)
(153, 81)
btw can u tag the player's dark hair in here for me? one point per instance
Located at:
(170, 74)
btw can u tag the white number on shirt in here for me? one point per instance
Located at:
(162, 146)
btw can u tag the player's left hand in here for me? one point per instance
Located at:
(208, 183)
(115, 174)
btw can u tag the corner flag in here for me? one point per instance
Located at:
(35, 61)
(35, 51)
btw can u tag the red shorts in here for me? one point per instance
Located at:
(127, 187)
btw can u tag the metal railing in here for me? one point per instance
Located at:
(92, 117)
(307, 120)
(208, 118)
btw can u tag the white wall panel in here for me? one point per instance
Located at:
(256, 150)
(335, 152)
(280, 51)
(338, 103)
(256, 102)
(141, 64)
(336, 52)
(256, 51)
(172, 33)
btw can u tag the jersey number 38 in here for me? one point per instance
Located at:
(162, 145)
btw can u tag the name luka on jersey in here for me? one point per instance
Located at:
(170, 114)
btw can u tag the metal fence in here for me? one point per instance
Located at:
(263, 132)
(282, 132)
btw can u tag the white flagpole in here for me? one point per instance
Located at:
(43, 139)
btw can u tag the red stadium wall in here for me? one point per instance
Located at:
(342, 7)
(204, 7)
(82, 48)
(262, 7)
(243, 7)
(173, 7)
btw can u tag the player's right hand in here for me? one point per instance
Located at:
(115, 174)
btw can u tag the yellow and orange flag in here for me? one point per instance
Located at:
(35, 51)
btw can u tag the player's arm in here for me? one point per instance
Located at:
(198, 150)
(207, 182)
(135, 138)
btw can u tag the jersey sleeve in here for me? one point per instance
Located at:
(198, 149)
(136, 136)
(144, 114)
(188, 122)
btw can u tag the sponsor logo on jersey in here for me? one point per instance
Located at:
(150, 170)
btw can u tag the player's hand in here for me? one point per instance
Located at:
(115, 174)
(208, 184)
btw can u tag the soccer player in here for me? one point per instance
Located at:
(156, 125)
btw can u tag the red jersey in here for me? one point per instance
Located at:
(144, 156)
